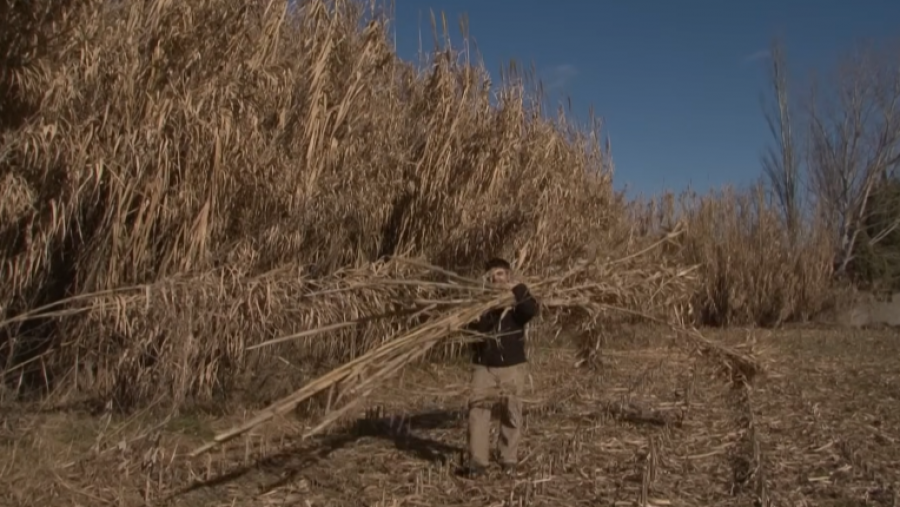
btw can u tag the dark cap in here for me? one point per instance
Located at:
(497, 263)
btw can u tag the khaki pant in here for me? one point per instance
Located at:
(490, 385)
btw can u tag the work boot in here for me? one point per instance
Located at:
(473, 471)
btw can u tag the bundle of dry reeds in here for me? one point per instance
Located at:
(628, 285)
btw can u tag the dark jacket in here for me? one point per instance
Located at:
(505, 345)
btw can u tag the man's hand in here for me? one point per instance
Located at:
(509, 283)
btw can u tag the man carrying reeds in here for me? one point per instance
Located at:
(499, 373)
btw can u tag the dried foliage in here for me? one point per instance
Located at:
(753, 270)
(178, 139)
(175, 138)
(192, 178)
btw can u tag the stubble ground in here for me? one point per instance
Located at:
(644, 424)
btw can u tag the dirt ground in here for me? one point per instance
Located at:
(650, 424)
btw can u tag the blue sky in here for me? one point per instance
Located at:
(678, 83)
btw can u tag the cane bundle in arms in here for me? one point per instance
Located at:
(445, 304)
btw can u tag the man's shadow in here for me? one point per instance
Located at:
(399, 430)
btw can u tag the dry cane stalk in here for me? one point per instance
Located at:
(363, 374)
(407, 348)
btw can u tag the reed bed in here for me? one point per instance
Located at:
(172, 145)
(753, 271)
(358, 308)
(179, 179)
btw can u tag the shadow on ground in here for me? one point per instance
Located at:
(290, 462)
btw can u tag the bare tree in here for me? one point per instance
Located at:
(854, 141)
(781, 163)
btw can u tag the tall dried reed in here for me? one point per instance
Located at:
(197, 176)
(753, 271)
(175, 139)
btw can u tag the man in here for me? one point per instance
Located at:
(499, 373)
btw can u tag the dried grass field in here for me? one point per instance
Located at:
(648, 424)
